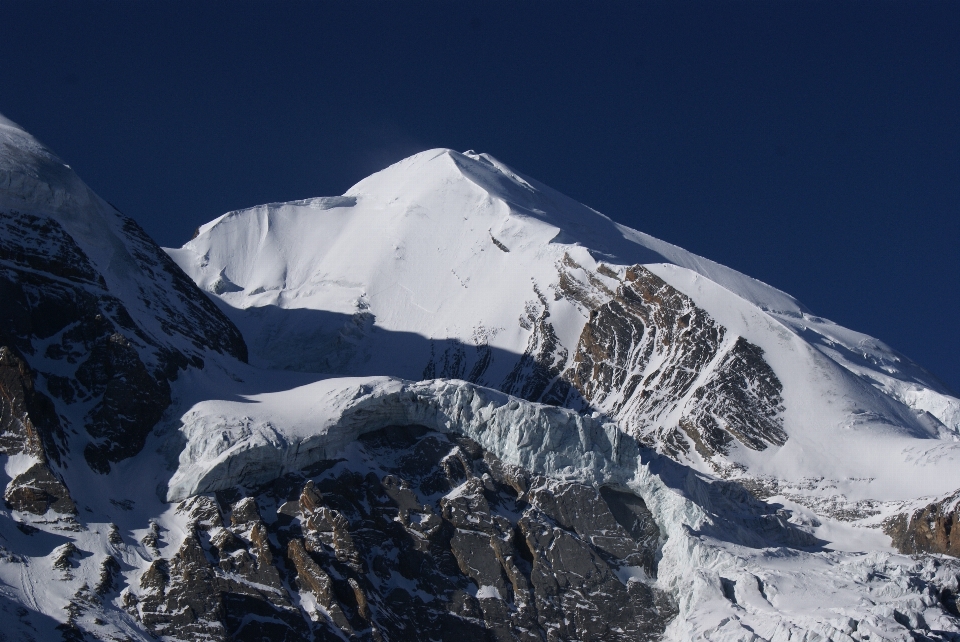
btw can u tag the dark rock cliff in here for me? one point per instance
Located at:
(29, 426)
(416, 535)
(88, 349)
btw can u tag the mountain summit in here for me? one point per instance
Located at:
(451, 404)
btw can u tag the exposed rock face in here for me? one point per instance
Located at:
(931, 529)
(452, 363)
(742, 398)
(30, 426)
(537, 376)
(131, 400)
(648, 356)
(417, 535)
(58, 309)
(219, 576)
(28, 422)
(646, 322)
(37, 490)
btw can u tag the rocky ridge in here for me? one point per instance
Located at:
(930, 528)
(96, 321)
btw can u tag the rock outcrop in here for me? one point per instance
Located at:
(668, 372)
(934, 528)
(59, 312)
(648, 356)
(417, 535)
(29, 426)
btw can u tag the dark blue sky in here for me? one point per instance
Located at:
(815, 146)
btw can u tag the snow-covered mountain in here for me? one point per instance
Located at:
(473, 409)
(454, 265)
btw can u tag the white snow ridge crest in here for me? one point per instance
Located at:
(473, 407)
